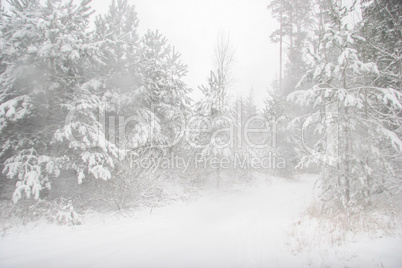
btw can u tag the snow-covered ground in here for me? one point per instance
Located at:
(247, 228)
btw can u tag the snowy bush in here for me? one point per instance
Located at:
(67, 215)
(31, 213)
(130, 185)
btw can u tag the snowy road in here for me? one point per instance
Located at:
(243, 229)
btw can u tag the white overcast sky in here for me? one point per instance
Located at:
(192, 26)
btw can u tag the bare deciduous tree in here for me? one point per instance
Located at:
(224, 62)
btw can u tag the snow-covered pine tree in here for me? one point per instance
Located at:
(74, 99)
(215, 118)
(354, 144)
(214, 114)
(45, 57)
(167, 95)
(277, 114)
(126, 120)
(381, 28)
(295, 65)
(89, 151)
(248, 144)
(294, 18)
(145, 98)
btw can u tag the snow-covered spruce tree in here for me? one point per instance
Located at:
(250, 143)
(215, 119)
(88, 151)
(167, 95)
(46, 57)
(129, 120)
(244, 108)
(214, 114)
(277, 114)
(146, 100)
(382, 29)
(354, 143)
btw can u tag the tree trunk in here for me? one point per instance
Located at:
(280, 46)
(218, 177)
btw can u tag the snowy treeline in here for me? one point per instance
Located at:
(99, 100)
(344, 68)
(73, 98)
